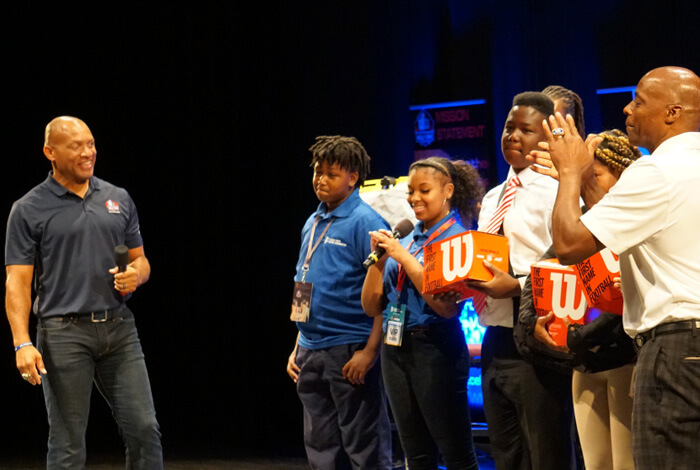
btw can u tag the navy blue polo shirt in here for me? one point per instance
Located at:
(70, 242)
(336, 316)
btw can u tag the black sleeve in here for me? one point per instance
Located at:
(527, 316)
(524, 324)
(605, 329)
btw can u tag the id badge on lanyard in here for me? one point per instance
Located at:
(396, 319)
(395, 323)
(301, 299)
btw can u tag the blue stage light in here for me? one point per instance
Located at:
(474, 334)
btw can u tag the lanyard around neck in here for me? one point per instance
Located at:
(312, 246)
(433, 236)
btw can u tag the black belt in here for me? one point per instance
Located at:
(447, 325)
(99, 316)
(666, 329)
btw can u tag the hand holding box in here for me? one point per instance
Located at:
(555, 288)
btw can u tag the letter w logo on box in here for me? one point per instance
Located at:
(555, 288)
(454, 264)
(450, 261)
(573, 304)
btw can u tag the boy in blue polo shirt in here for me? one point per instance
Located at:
(333, 362)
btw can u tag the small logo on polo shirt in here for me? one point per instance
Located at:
(334, 241)
(112, 206)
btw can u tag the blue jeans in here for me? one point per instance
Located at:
(426, 382)
(77, 352)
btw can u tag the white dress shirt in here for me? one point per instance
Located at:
(528, 226)
(651, 218)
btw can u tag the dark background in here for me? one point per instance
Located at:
(205, 112)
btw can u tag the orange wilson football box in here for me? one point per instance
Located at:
(555, 288)
(450, 261)
(596, 274)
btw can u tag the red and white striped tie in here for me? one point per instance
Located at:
(507, 200)
(479, 300)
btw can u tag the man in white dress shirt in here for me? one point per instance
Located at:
(651, 218)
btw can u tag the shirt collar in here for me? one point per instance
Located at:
(675, 140)
(343, 210)
(59, 190)
(418, 230)
(526, 176)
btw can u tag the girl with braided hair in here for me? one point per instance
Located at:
(567, 102)
(603, 353)
(612, 156)
(601, 383)
(425, 361)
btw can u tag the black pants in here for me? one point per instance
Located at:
(528, 408)
(666, 406)
(426, 380)
(345, 425)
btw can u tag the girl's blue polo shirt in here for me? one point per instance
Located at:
(336, 271)
(418, 313)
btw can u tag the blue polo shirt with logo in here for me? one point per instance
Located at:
(70, 242)
(336, 271)
(418, 312)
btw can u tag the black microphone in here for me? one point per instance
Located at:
(121, 257)
(401, 229)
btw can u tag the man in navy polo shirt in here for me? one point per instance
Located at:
(61, 237)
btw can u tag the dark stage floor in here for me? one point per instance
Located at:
(206, 464)
(262, 463)
(485, 463)
(102, 459)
